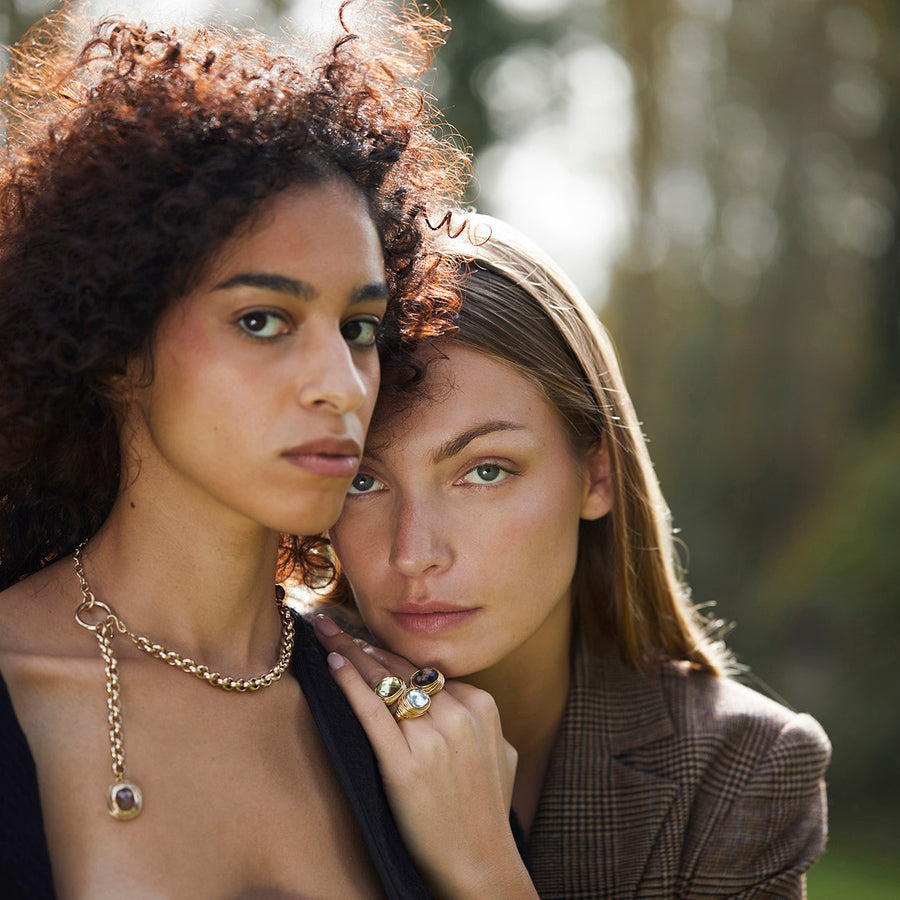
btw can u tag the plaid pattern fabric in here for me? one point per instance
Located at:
(677, 784)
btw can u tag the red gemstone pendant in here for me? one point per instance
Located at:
(123, 800)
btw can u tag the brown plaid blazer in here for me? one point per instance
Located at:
(677, 784)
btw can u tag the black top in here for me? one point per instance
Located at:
(25, 861)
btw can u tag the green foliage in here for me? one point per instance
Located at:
(825, 617)
(850, 875)
(16, 17)
(481, 32)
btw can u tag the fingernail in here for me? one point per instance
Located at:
(327, 626)
(335, 661)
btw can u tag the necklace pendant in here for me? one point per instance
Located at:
(123, 800)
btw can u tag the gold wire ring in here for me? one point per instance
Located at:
(93, 603)
(427, 679)
(412, 704)
(390, 689)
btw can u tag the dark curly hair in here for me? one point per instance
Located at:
(131, 157)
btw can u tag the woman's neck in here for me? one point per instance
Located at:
(530, 688)
(202, 589)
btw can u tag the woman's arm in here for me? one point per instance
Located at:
(448, 774)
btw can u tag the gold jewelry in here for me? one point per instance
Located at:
(427, 679)
(124, 800)
(390, 689)
(412, 704)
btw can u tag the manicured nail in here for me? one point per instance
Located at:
(336, 661)
(327, 626)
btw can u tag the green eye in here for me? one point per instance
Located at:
(486, 473)
(361, 332)
(363, 484)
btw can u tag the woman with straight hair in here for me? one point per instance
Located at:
(506, 532)
(204, 244)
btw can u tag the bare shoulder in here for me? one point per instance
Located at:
(39, 640)
(36, 609)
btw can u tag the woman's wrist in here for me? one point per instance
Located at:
(497, 872)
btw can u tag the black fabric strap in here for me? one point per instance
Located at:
(356, 767)
(25, 872)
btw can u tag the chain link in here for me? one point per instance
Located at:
(105, 629)
(114, 716)
(226, 682)
(185, 663)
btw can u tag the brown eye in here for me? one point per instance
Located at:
(361, 332)
(262, 324)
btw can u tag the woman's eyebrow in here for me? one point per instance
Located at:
(377, 290)
(452, 446)
(455, 445)
(282, 284)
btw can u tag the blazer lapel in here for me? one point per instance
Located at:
(599, 815)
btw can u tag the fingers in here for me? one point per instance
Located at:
(450, 714)
(457, 712)
(371, 672)
(370, 709)
(451, 766)
(371, 662)
(392, 661)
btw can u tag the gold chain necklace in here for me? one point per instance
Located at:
(123, 798)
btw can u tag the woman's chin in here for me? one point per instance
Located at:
(454, 659)
(451, 665)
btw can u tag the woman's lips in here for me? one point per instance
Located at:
(433, 621)
(326, 464)
(332, 457)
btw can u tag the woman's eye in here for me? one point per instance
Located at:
(364, 484)
(263, 324)
(486, 473)
(361, 332)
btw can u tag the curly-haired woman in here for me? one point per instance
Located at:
(204, 243)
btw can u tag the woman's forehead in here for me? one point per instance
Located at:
(462, 388)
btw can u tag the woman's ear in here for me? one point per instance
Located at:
(598, 498)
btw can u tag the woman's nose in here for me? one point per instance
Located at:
(419, 543)
(331, 376)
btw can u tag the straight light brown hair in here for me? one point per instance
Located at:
(519, 308)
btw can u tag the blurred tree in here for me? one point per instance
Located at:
(481, 32)
(761, 343)
(17, 16)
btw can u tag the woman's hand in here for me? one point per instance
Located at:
(448, 774)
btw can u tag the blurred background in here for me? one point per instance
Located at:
(720, 177)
